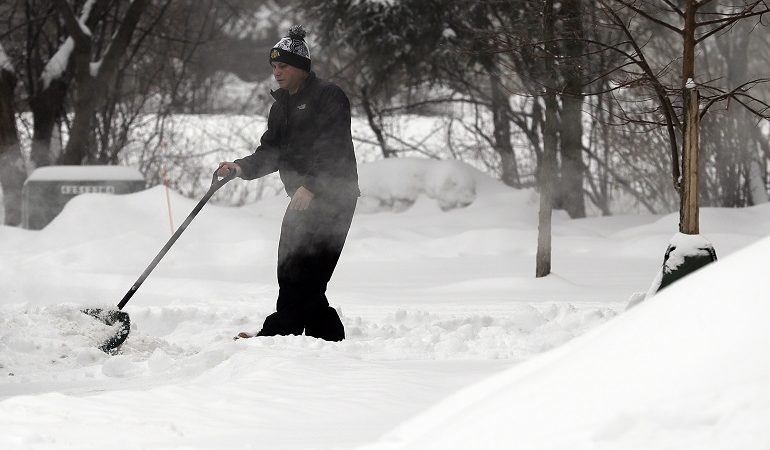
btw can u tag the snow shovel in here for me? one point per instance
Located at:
(117, 316)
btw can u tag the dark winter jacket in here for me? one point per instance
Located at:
(308, 141)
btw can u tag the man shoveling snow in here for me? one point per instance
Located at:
(308, 141)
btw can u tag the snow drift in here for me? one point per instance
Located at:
(435, 296)
(687, 368)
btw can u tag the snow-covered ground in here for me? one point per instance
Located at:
(437, 292)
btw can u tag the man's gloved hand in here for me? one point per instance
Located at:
(225, 167)
(301, 199)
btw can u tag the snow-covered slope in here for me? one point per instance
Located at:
(435, 287)
(686, 369)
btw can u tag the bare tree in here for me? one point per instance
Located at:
(680, 102)
(93, 78)
(49, 70)
(12, 171)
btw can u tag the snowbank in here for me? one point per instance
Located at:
(432, 301)
(685, 369)
(395, 184)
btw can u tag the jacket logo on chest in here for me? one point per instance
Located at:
(302, 106)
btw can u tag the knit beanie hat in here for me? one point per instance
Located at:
(292, 49)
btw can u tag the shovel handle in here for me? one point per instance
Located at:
(216, 183)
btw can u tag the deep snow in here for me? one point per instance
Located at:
(684, 369)
(437, 292)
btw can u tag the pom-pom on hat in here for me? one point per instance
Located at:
(292, 49)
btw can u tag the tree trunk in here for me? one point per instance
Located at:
(47, 106)
(92, 89)
(502, 131)
(571, 191)
(370, 116)
(688, 214)
(85, 94)
(688, 205)
(688, 52)
(604, 175)
(12, 171)
(548, 169)
(79, 143)
(547, 175)
(47, 101)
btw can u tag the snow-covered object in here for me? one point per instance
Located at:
(684, 245)
(396, 184)
(690, 84)
(94, 68)
(5, 62)
(680, 247)
(686, 369)
(72, 173)
(58, 62)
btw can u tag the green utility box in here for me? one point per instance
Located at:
(49, 188)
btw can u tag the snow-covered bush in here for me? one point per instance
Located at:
(395, 184)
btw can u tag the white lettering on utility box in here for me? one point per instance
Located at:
(74, 189)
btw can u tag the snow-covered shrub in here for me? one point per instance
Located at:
(395, 184)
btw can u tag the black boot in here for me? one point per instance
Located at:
(325, 324)
(281, 323)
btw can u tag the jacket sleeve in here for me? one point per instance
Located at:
(264, 160)
(329, 149)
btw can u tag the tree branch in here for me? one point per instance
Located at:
(621, 181)
(668, 109)
(650, 17)
(761, 114)
(739, 90)
(736, 16)
(674, 8)
(71, 22)
(122, 38)
(727, 22)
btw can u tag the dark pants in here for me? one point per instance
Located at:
(310, 246)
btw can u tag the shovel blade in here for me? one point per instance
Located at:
(111, 317)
